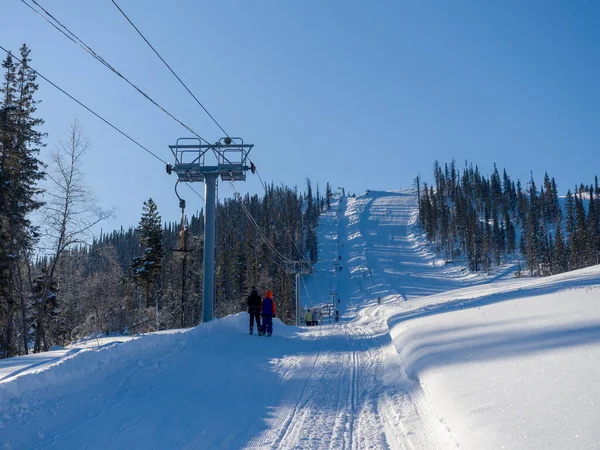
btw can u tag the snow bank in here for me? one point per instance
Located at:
(513, 366)
(207, 384)
(90, 361)
(86, 363)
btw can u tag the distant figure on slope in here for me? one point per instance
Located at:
(337, 315)
(308, 318)
(253, 303)
(316, 315)
(268, 310)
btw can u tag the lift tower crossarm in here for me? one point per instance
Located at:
(230, 162)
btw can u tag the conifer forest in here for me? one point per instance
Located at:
(487, 221)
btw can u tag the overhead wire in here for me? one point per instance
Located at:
(87, 108)
(105, 121)
(260, 178)
(194, 190)
(306, 290)
(180, 81)
(252, 220)
(97, 115)
(74, 38)
(168, 66)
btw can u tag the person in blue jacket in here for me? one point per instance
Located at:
(268, 310)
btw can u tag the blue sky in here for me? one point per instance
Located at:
(365, 95)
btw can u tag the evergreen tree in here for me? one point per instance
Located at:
(560, 259)
(522, 204)
(581, 236)
(417, 184)
(498, 241)
(147, 267)
(311, 244)
(328, 195)
(531, 232)
(20, 171)
(547, 256)
(510, 235)
(547, 200)
(556, 211)
(593, 231)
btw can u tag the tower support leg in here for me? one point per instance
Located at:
(210, 210)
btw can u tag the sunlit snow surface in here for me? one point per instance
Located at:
(448, 360)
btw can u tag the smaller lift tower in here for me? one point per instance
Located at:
(298, 268)
(196, 162)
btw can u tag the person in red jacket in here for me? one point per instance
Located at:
(268, 310)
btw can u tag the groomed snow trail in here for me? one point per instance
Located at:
(333, 408)
(356, 394)
(341, 401)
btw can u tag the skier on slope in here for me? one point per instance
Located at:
(253, 303)
(268, 310)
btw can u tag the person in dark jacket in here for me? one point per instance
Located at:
(268, 310)
(308, 318)
(254, 310)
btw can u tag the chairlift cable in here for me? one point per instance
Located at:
(169, 67)
(87, 108)
(71, 36)
(306, 290)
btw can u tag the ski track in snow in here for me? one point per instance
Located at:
(333, 409)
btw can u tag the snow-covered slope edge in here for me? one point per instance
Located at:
(85, 363)
(506, 365)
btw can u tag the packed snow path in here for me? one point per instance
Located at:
(446, 361)
(214, 387)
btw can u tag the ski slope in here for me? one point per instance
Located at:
(448, 360)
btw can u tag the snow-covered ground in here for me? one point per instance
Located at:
(447, 360)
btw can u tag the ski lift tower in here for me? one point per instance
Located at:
(196, 162)
(298, 268)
